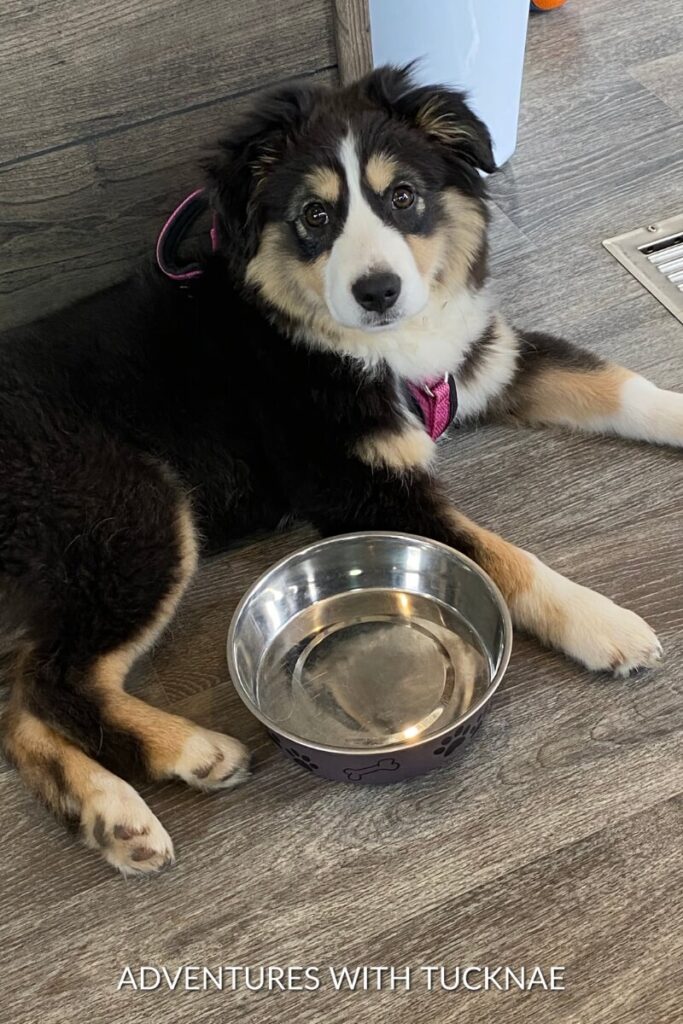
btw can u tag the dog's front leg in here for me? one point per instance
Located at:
(367, 493)
(584, 624)
(559, 383)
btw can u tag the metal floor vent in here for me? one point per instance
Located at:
(654, 255)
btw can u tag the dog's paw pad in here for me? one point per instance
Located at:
(116, 821)
(140, 853)
(211, 761)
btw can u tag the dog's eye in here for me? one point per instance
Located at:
(402, 197)
(316, 215)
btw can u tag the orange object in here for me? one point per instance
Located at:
(547, 5)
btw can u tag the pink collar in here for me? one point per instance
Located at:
(436, 398)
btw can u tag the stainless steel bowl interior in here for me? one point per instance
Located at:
(369, 642)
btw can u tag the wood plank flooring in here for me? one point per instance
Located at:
(107, 109)
(557, 838)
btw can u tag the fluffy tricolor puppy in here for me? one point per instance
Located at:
(151, 420)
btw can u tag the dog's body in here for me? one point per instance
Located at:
(147, 421)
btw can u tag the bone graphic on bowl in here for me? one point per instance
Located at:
(385, 764)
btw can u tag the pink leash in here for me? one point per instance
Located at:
(436, 398)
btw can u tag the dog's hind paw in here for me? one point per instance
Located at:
(116, 821)
(211, 761)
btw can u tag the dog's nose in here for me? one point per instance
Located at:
(377, 292)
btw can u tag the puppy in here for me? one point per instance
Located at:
(304, 371)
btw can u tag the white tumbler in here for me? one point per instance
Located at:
(475, 45)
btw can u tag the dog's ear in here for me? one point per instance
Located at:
(243, 159)
(442, 113)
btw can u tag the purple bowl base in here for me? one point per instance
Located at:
(380, 769)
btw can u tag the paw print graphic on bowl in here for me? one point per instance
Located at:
(456, 739)
(450, 743)
(303, 760)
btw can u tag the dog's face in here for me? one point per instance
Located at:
(346, 209)
(359, 224)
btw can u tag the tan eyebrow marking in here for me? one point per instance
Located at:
(324, 183)
(380, 171)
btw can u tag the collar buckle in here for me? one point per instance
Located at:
(426, 388)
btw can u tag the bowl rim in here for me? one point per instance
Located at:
(486, 697)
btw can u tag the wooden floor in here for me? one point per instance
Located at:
(557, 839)
(107, 105)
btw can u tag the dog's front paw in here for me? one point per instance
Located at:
(116, 821)
(605, 637)
(210, 760)
(584, 624)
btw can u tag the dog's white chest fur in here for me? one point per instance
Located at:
(432, 342)
(436, 340)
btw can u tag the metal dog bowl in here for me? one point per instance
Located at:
(370, 657)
